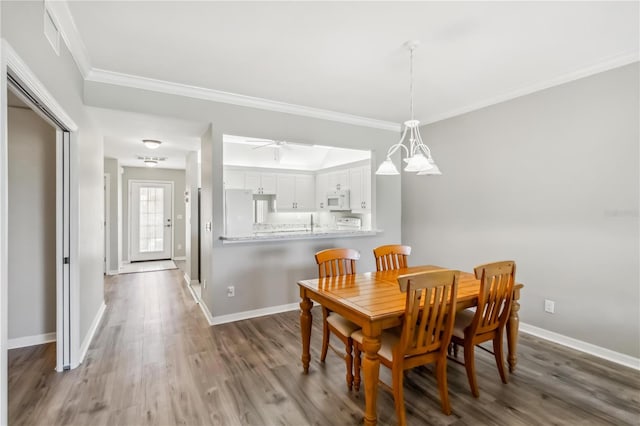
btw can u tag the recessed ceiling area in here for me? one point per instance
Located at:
(124, 131)
(270, 154)
(348, 57)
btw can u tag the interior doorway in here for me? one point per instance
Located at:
(150, 220)
(39, 224)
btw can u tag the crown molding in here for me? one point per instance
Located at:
(161, 86)
(61, 15)
(59, 10)
(610, 63)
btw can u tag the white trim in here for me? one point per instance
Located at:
(61, 15)
(179, 258)
(107, 222)
(91, 333)
(616, 61)
(238, 316)
(138, 82)
(187, 278)
(27, 78)
(61, 285)
(206, 312)
(112, 272)
(38, 339)
(4, 251)
(591, 349)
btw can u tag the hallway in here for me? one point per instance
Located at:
(156, 361)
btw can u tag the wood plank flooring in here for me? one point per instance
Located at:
(155, 361)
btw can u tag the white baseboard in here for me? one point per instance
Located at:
(206, 312)
(223, 319)
(91, 333)
(179, 258)
(113, 272)
(600, 352)
(38, 339)
(187, 279)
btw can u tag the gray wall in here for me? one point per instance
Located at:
(192, 173)
(264, 274)
(111, 168)
(551, 181)
(144, 173)
(22, 27)
(32, 227)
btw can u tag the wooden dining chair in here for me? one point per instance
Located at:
(392, 256)
(332, 263)
(489, 319)
(425, 334)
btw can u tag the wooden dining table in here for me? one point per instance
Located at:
(373, 301)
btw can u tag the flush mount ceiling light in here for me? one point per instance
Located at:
(151, 143)
(418, 155)
(151, 161)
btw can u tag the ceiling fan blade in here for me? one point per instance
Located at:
(266, 145)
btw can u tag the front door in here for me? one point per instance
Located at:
(151, 220)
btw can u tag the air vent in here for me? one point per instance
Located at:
(51, 32)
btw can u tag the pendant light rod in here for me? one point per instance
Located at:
(418, 155)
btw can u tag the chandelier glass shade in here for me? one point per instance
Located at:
(418, 157)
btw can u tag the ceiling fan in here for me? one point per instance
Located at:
(274, 144)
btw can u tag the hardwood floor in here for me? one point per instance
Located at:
(156, 361)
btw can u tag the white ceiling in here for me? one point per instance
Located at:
(124, 131)
(344, 57)
(242, 151)
(348, 56)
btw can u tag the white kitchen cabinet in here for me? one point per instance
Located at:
(360, 188)
(305, 192)
(295, 192)
(338, 180)
(322, 182)
(233, 179)
(260, 183)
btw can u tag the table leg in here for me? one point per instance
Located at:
(512, 331)
(305, 331)
(371, 370)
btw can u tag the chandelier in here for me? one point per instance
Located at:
(418, 155)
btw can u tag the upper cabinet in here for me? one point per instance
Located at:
(360, 188)
(322, 185)
(295, 192)
(260, 183)
(338, 180)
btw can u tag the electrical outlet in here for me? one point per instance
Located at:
(231, 291)
(549, 306)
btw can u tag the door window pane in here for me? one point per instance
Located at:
(151, 219)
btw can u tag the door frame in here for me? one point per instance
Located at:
(67, 292)
(173, 222)
(107, 223)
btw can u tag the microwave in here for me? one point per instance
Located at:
(338, 200)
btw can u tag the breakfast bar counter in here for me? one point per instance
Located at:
(297, 235)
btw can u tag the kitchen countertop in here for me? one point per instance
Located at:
(297, 235)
